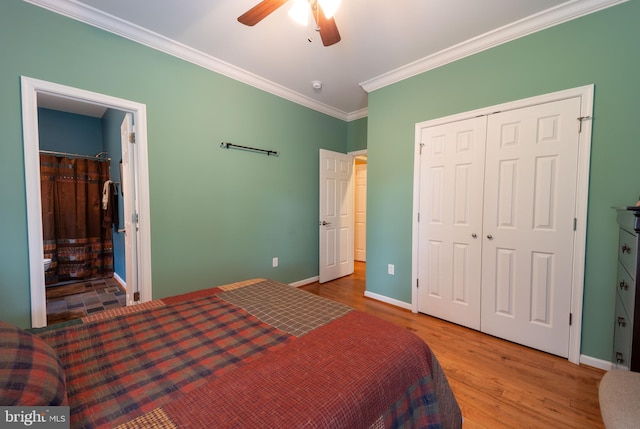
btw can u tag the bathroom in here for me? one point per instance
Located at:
(89, 136)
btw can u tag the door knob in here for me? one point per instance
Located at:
(490, 237)
(474, 235)
(325, 223)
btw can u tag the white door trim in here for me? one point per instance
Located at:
(356, 154)
(128, 184)
(584, 156)
(30, 90)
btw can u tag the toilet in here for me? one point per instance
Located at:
(47, 263)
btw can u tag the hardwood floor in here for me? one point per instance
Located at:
(498, 384)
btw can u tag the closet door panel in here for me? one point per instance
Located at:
(529, 210)
(450, 230)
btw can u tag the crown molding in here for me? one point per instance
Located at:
(551, 17)
(96, 18)
(357, 114)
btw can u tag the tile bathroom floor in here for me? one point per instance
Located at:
(75, 300)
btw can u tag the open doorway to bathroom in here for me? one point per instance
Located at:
(82, 207)
(134, 187)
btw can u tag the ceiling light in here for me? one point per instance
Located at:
(299, 12)
(316, 84)
(329, 7)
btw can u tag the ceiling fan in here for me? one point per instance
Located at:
(322, 11)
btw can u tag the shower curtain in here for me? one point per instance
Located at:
(72, 219)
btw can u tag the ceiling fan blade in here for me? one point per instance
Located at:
(260, 11)
(328, 28)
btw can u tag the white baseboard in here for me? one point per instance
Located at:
(371, 295)
(305, 282)
(117, 278)
(388, 300)
(596, 363)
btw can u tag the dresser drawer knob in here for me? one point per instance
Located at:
(624, 285)
(619, 357)
(621, 321)
(626, 248)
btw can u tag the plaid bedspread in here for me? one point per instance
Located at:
(252, 354)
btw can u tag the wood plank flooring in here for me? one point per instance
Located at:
(498, 384)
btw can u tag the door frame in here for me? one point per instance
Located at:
(355, 155)
(30, 88)
(586, 93)
(129, 191)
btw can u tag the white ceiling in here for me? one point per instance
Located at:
(382, 41)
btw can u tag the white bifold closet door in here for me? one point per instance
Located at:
(451, 204)
(497, 208)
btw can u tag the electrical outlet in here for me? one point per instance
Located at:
(391, 269)
(274, 262)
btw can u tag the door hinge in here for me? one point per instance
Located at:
(580, 119)
(418, 217)
(575, 224)
(421, 146)
(418, 283)
(132, 138)
(136, 296)
(570, 318)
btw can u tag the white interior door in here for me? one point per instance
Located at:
(336, 215)
(499, 257)
(360, 212)
(450, 229)
(530, 204)
(130, 208)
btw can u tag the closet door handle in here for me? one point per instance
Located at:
(624, 285)
(490, 237)
(474, 235)
(626, 248)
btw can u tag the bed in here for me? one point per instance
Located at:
(252, 354)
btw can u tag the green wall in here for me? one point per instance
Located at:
(600, 49)
(216, 215)
(357, 135)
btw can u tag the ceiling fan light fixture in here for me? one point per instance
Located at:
(299, 12)
(329, 7)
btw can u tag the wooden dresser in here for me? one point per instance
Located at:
(626, 342)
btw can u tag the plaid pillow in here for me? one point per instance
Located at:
(31, 373)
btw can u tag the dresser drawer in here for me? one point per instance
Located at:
(622, 337)
(626, 289)
(627, 251)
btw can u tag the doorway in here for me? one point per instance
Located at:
(523, 216)
(360, 207)
(82, 200)
(342, 219)
(136, 204)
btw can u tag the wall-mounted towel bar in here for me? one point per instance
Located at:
(226, 145)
